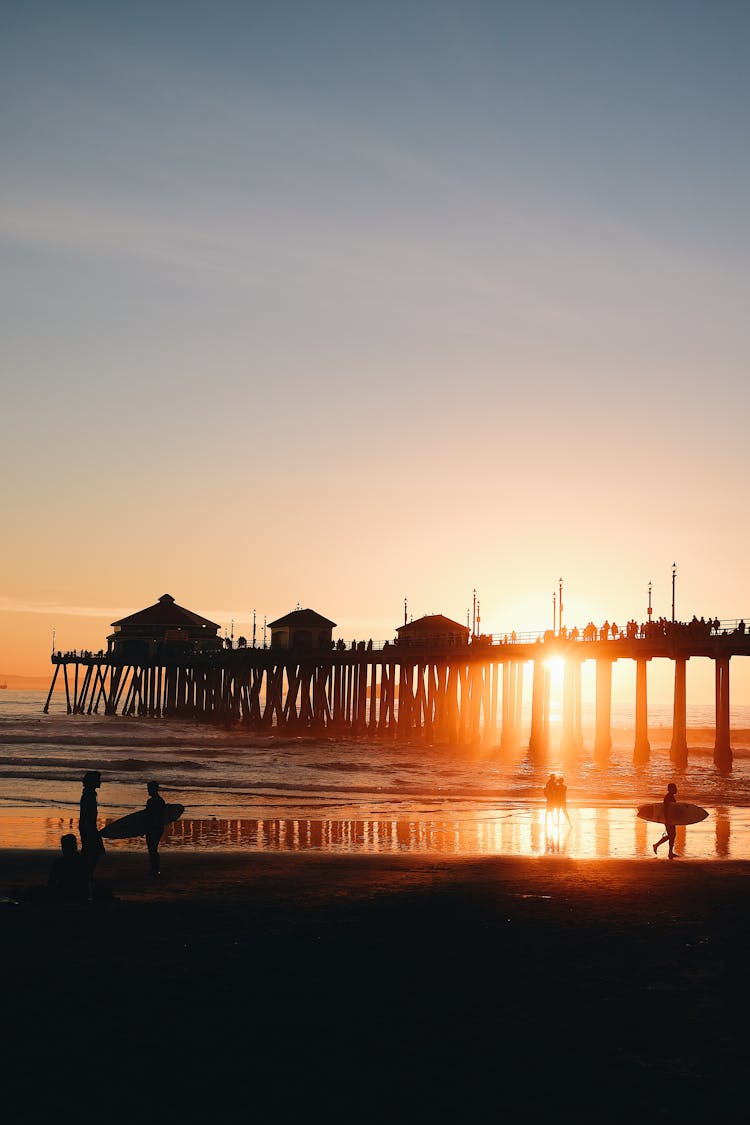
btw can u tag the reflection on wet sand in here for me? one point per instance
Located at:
(599, 832)
(722, 832)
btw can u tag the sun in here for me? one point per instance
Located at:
(556, 667)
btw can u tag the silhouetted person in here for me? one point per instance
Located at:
(550, 792)
(155, 811)
(670, 828)
(561, 798)
(69, 876)
(92, 848)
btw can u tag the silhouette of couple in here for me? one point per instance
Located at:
(556, 793)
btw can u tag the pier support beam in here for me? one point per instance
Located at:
(490, 728)
(722, 749)
(539, 737)
(642, 749)
(509, 734)
(51, 689)
(678, 750)
(603, 736)
(570, 741)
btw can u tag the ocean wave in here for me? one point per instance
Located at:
(129, 765)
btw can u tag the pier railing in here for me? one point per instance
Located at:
(679, 629)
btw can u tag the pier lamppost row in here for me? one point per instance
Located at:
(674, 575)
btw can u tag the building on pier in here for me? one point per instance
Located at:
(143, 634)
(302, 628)
(434, 629)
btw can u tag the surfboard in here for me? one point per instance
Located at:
(680, 813)
(134, 824)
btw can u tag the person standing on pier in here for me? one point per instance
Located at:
(155, 806)
(92, 848)
(670, 828)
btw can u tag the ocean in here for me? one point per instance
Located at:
(245, 790)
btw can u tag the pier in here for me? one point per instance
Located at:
(443, 692)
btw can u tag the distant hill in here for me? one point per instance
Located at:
(25, 683)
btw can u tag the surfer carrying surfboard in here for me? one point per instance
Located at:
(155, 818)
(670, 828)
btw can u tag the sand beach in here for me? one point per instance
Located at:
(371, 988)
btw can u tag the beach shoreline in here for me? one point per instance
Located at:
(447, 830)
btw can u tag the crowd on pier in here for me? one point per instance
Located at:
(696, 629)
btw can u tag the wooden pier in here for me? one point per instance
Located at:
(455, 694)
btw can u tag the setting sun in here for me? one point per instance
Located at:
(556, 667)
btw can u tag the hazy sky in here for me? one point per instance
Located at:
(338, 303)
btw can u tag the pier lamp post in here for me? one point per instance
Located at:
(674, 575)
(559, 608)
(650, 610)
(554, 612)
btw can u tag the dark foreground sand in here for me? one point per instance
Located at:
(293, 988)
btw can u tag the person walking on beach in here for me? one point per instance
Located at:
(550, 793)
(92, 848)
(670, 828)
(155, 806)
(561, 798)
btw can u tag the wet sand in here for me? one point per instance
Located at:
(599, 832)
(381, 988)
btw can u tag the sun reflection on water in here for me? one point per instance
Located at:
(597, 832)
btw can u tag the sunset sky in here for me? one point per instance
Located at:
(341, 303)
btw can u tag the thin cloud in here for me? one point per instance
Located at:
(19, 605)
(108, 613)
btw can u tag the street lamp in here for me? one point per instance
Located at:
(650, 610)
(674, 575)
(554, 613)
(559, 611)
